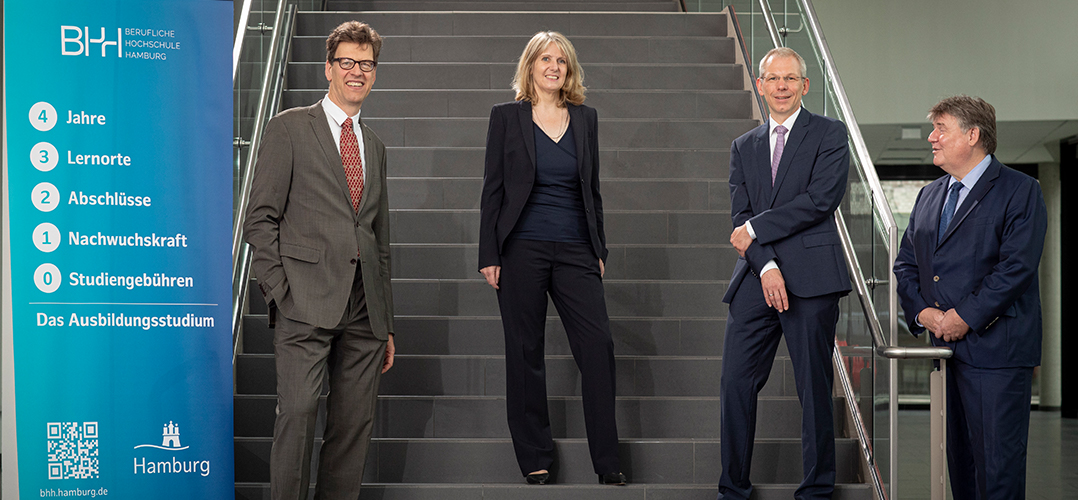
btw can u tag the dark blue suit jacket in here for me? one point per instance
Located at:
(985, 267)
(509, 174)
(794, 220)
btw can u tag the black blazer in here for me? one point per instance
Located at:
(510, 174)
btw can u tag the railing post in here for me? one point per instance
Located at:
(892, 364)
(938, 414)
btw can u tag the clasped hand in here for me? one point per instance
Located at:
(948, 326)
(741, 239)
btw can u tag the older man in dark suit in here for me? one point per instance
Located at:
(787, 177)
(319, 224)
(967, 272)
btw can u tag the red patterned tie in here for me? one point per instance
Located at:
(353, 164)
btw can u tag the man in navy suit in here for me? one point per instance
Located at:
(967, 272)
(787, 177)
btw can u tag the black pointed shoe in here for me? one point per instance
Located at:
(614, 478)
(537, 477)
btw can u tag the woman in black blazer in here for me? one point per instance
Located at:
(541, 233)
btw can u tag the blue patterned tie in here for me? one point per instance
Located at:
(948, 210)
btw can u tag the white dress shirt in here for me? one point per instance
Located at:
(336, 116)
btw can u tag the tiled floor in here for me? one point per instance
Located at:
(1052, 460)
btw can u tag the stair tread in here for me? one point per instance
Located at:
(682, 131)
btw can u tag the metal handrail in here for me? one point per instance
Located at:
(241, 32)
(268, 101)
(859, 425)
(883, 347)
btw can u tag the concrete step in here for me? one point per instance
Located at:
(623, 163)
(413, 193)
(632, 262)
(260, 491)
(476, 103)
(626, 227)
(476, 336)
(464, 461)
(498, 5)
(484, 75)
(484, 417)
(666, 49)
(571, 24)
(613, 133)
(637, 376)
(696, 299)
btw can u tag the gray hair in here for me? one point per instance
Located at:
(970, 112)
(783, 52)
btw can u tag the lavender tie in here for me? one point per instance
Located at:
(780, 143)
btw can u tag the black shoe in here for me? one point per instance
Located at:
(537, 477)
(614, 478)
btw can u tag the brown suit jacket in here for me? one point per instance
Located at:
(304, 231)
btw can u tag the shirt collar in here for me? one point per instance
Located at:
(974, 175)
(789, 123)
(335, 113)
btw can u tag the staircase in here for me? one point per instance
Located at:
(670, 100)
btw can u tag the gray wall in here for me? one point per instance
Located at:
(1051, 283)
(898, 58)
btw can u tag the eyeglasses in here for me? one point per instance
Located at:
(790, 80)
(348, 63)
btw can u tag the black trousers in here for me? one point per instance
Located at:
(569, 273)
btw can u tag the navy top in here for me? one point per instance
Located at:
(555, 208)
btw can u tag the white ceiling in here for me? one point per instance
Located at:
(1018, 142)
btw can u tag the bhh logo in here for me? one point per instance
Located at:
(75, 41)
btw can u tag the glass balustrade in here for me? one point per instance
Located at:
(257, 79)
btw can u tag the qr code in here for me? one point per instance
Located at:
(73, 450)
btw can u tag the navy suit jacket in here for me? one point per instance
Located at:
(794, 219)
(509, 175)
(985, 267)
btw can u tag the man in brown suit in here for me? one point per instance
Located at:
(318, 221)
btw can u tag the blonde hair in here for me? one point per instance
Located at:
(572, 90)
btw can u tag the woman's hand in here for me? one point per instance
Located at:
(492, 274)
(602, 268)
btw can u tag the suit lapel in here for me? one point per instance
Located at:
(370, 179)
(933, 200)
(983, 186)
(797, 135)
(524, 112)
(333, 157)
(576, 120)
(762, 146)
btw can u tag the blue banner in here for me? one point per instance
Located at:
(117, 244)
